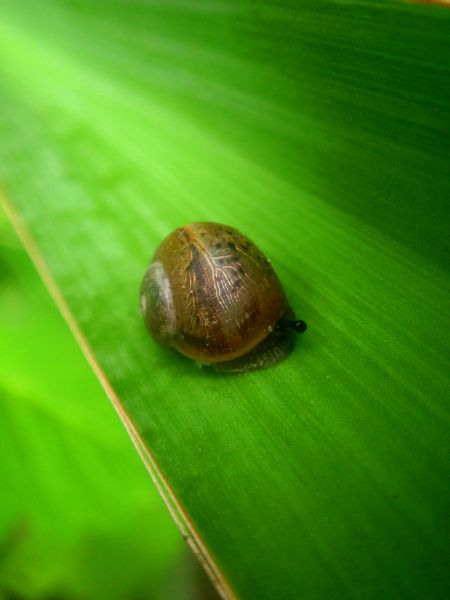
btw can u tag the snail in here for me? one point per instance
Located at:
(211, 294)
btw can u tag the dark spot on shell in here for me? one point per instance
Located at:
(231, 246)
(254, 310)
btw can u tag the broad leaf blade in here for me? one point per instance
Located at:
(319, 132)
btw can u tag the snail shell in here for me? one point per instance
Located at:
(213, 296)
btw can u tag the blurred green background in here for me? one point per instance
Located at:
(321, 130)
(79, 516)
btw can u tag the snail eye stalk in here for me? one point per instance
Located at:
(298, 326)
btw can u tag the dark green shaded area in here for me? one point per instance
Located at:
(321, 132)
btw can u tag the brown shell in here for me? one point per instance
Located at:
(221, 296)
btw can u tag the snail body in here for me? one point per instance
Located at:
(211, 294)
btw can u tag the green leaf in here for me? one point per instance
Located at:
(321, 131)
